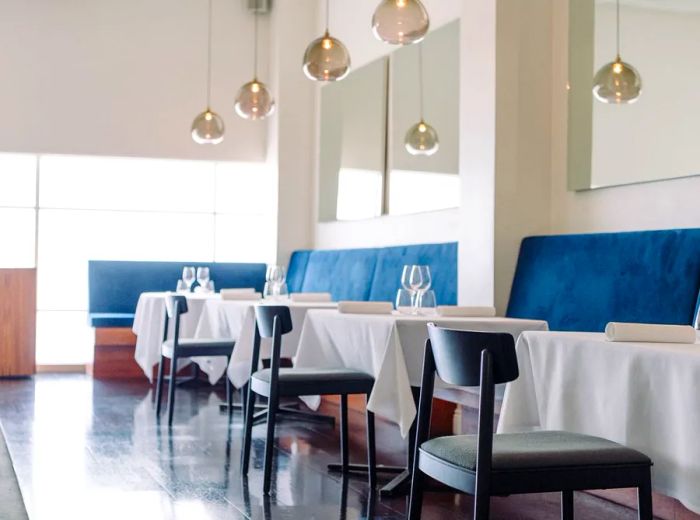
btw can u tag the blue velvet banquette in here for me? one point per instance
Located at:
(581, 282)
(349, 274)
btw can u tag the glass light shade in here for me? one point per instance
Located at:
(400, 22)
(254, 101)
(326, 59)
(617, 83)
(422, 139)
(208, 128)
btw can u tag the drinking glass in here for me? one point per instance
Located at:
(282, 291)
(404, 301)
(269, 290)
(181, 287)
(188, 276)
(203, 277)
(428, 303)
(211, 287)
(405, 277)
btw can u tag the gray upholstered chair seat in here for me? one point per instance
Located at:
(312, 381)
(535, 450)
(316, 374)
(197, 343)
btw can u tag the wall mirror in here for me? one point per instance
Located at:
(656, 137)
(365, 169)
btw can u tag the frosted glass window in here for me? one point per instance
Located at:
(17, 237)
(126, 184)
(17, 180)
(245, 239)
(359, 194)
(245, 188)
(415, 192)
(69, 238)
(63, 338)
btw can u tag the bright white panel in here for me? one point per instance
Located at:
(245, 188)
(126, 184)
(17, 237)
(245, 238)
(17, 180)
(63, 338)
(359, 194)
(416, 192)
(68, 239)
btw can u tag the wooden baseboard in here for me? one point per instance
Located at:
(114, 354)
(61, 369)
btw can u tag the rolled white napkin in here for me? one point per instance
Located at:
(457, 311)
(649, 333)
(365, 307)
(311, 297)
(240, 294)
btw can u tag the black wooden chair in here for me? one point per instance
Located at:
(275, 382)
(485, 464)
(176, 348)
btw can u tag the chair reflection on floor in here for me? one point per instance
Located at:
(272, 511)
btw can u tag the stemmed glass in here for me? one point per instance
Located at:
(420, 281)
(203, 277)
(275, 285)
(188, 276)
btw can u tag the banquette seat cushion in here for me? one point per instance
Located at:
(581, 282)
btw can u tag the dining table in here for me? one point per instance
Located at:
(639, 394)
(390, 347)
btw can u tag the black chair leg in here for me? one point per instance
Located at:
(482, 506)
(646, 509)
(567, 505)
(344, 448)
(159, 384)
(171, 390)
(371, 451)
(229, 388)
(415, 500)
(247, 429)
(269, 443)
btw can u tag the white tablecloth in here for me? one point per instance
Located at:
(390, 347)
(236, 319)
(148, 327)
(643, 395)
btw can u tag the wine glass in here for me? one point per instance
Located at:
(428, 303)
(405, 276)
(203, 277)
(188, 276)
(415, 282)
(404, 301)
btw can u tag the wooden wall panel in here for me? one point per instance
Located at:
(17, 322)
(114, 354)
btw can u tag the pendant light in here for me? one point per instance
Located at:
(617, 82)
(254, 100)
(208, 127)
(400, 22)
(326, 58)
(421, 138)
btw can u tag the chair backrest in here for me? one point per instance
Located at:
(457, 355)
(175, 304)
(265, 316)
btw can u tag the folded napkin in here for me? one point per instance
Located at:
(311, 297)
(456, 311)
(365, 307)
(647, 333)
(240, 294)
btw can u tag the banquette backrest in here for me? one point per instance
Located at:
(115, 286)
(374, 273)
(581, 282)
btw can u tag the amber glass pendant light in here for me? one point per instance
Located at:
(617, 82)
(400, 22)
(208, 127)
(421, 138)
(326, 58)
(254, 100)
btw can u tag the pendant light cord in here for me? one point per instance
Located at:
(209, 56)
(420, 78)
(328, 14)
(255, 48)
(618, 28)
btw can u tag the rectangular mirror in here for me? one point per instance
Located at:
(418, 183)
(352, 144)
(656, 137)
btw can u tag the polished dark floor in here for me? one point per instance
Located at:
(86, 449)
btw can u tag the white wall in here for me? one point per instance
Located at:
(123, 78)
